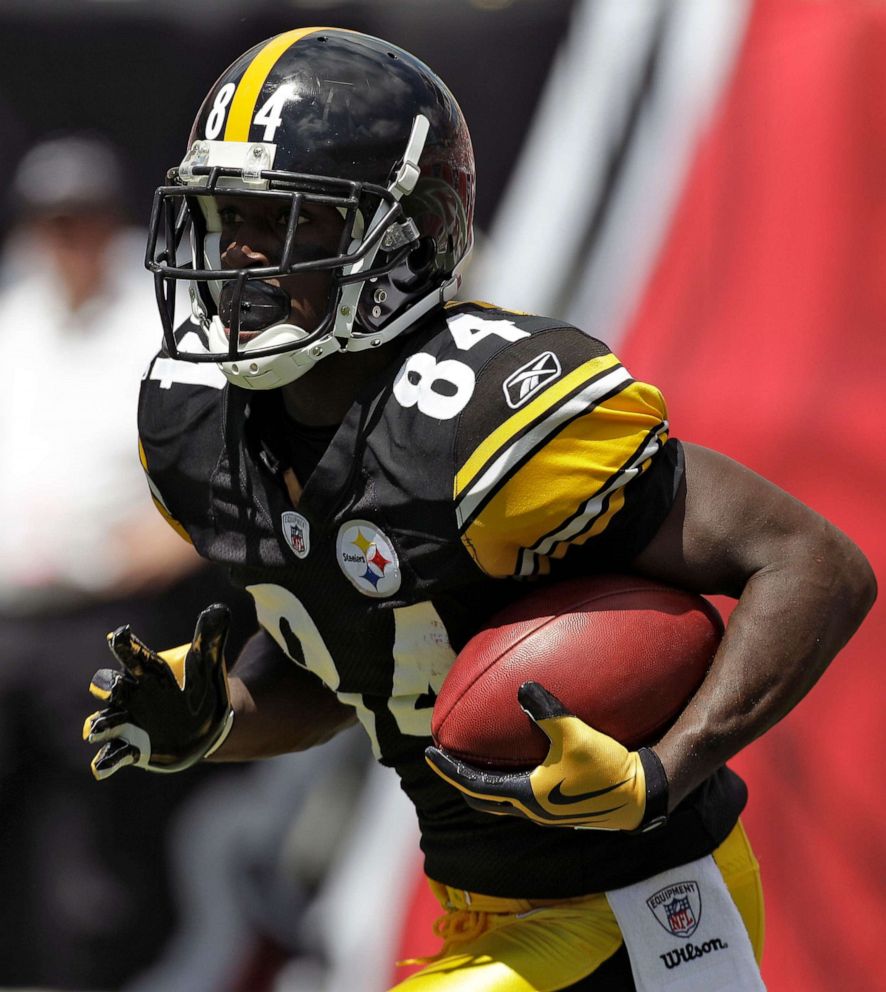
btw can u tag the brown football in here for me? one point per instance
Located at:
(623, 653)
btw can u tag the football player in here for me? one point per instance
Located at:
(382, 466)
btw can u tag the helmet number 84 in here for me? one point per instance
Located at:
(270, 113)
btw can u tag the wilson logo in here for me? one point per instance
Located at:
(689, 952)
(529, 379)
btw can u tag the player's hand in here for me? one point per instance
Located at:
(166, 711)
(588, 780)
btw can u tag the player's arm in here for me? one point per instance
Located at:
(523, 502)
(802, 586)
(278, 707)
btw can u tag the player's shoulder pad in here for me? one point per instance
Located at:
(474, 332)
(517, 358)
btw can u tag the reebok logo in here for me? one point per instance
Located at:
(531, 378)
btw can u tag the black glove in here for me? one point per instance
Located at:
(588, 780)
(164, 711)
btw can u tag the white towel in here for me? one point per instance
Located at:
(683, 931)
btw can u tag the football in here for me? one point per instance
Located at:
(623, 653)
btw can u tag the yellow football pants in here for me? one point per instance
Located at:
(517, 945)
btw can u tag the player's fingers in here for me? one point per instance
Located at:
(540, 705)
(135, 656)
(211, 632)
(457, 772)
(477, 781)
(113, 756)
(100, 726)
(107, 685)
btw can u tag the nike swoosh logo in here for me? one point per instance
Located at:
(557, 798)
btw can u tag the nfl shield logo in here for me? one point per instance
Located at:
(677, 908)
(296, 530)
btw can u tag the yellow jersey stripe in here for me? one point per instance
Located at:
(594, 516)
(508, 460)
(624, 462)
(534, 410)
(248, 89)
(616, 502)
(565, 489)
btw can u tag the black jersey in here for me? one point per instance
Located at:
(498, 449)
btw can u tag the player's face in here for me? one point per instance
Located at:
(253, 232)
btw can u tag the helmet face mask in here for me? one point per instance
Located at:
(401, 178)
(193, 233)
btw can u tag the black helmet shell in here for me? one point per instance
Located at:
(341, 104)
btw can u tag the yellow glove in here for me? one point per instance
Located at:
(587, 781)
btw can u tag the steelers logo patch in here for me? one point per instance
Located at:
(367, 558)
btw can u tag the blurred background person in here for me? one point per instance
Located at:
(82, 550)
(75, 315)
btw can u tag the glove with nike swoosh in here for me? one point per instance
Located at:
(587, 781)
(165, 711)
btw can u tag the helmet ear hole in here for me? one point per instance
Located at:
(421, 258)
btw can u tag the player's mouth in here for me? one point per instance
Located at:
(244, 336)
(262, 303)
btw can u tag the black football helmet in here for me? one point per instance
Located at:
(322, 116)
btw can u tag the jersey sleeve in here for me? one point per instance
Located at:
(159, 502)
(179, 429)
(579, 477)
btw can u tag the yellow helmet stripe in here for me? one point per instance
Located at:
(249, 87)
